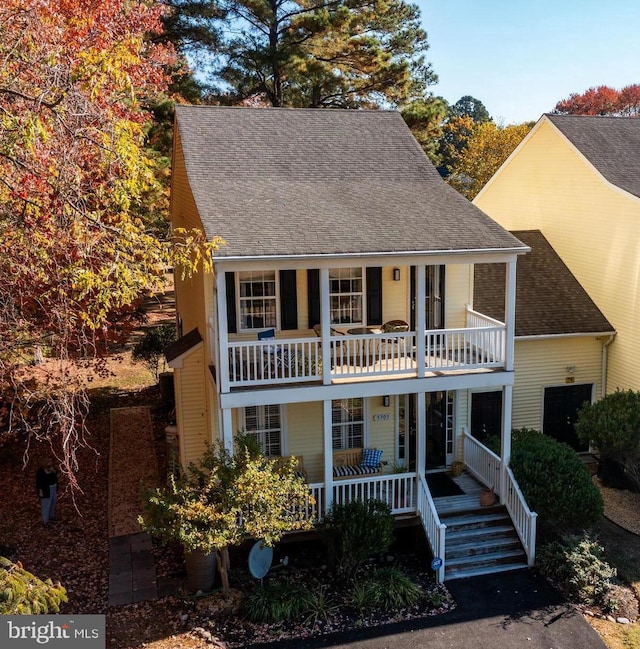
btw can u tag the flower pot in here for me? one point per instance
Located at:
(488, 498)
(201, 570)
(456, 468)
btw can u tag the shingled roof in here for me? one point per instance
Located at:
(549, 299)
(282, 182)
(610, 144)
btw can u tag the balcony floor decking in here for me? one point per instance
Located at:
(468, 501)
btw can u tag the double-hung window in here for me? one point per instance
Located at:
(346, 295)
(258, 299)
(347, 419)
(264, 423)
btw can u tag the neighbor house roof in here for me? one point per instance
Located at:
(549, 299)
(280, 182)
(610, 144)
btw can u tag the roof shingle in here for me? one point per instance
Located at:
(610, 144)
(549, 299)
(280, 182)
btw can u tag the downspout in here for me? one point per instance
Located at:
(604, 365)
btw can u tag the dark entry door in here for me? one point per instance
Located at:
(486, 414)
(561, 405)
(438, 409)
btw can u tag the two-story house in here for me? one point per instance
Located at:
(577, 180)
(339, 318)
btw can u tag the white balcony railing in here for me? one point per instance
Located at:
(265, 362)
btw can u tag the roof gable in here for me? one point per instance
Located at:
(610, 144)
(549, 299)
(282, 182)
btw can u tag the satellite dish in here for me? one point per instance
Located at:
(260, 558)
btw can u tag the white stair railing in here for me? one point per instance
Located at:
(524, 520)
(434, 529)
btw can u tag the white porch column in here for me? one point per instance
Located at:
(505, 439)
(222, 374)
(227, 430)
(328, 454)
(421, 425)
(510, 314)
(325, 326)
(421, 320)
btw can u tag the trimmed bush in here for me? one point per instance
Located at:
(277, 602)
(576, 564)
(355, 531)
(387, 589)
(555, 483)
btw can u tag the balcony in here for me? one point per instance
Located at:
(479, 346)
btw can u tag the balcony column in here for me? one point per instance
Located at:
(507, 405)
(325, 326)
(222, 374)
(227, 430)
(510, 314)
(421, 320)
(328, 454)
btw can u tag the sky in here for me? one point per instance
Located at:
(520, 57)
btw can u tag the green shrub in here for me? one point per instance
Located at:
(277, 602)
(355, 531)
(150, 349)
(577, 565)
(613, 426)
(555, 483)
(385, 588)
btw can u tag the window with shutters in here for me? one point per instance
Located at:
(346, 295)
(257, 300)
(347, 419)
(264, 422)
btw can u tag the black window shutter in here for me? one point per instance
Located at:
(288, 300)
(313, 296)
(374, 296)
(232, 321)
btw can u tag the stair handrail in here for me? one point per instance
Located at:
(434, 529)
(524, 520)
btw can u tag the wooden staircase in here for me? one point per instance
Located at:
(481, 541)
(478, 540)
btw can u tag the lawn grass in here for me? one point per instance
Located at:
(617, 636)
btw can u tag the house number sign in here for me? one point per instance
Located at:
(382, 417)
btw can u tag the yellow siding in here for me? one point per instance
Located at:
(543, 363)
(395, 295)
(594, 227)
(457, 294)
(192, 411)
(305, 436)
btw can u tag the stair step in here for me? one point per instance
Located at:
(474, 521)
(476, 532)
(488, 559)
(481, 548)
(483, 570)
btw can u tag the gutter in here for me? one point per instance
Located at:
(604, 363)
(585, 334)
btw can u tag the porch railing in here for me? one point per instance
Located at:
(264, 362)
(434, 529)
(396, 490)
(481, 462)
(524, 520)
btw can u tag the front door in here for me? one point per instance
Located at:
(561, 405)
(486, 415)
(439, 429)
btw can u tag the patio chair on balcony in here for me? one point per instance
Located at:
(278, 362)
(395, 326)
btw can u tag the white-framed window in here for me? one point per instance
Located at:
(402, 428)
(258, 299)
(347, 423)
(265, 423)
(346, 295)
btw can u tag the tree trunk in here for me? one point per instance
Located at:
(222, 559)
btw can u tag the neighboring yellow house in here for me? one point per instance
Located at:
(560, 345)
(577, 180)
(339, 316)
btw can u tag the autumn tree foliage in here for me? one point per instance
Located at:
(487, 147)
(602, 100)
(75, 249)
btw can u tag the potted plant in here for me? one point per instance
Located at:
(457, 467)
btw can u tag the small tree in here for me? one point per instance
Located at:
(612, 425)
(22, 593)
(227, 499)
(150, 349)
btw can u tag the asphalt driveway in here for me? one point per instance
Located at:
(511, 610)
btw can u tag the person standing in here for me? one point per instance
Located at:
(47, 488)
